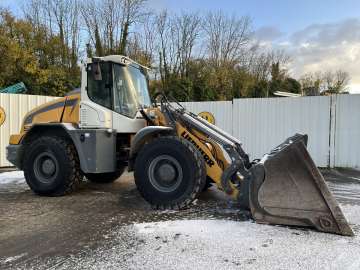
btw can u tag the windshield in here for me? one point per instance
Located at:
(130, 90)
(139, 82)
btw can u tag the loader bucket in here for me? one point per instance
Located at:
(287, 188)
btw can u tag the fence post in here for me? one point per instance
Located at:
(332, 133)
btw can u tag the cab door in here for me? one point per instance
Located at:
(105, 102)
(126, 116)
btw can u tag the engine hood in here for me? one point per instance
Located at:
(53, 112)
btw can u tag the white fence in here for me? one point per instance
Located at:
(15, 107)
(222, 111)
(332, 123)
(262, 124)
(345, 149)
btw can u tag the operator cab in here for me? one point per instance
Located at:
(116, 88)
(122, 87)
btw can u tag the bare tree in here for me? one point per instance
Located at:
(260, 63)
(226, 37)
(132, 13)
(177, 37)
(33, 13)
(336, 82)
(163, 29)
(311, 83)
(111, 15)
(141, 46)
(66, 14)
(93, 19)
(60, 17)
(109, 23)
(331, 82)
(186, 32)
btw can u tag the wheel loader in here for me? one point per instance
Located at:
(110, 124)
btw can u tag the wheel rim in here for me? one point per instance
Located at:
(45, 167)
(165, 173)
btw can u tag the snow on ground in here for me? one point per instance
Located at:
(14, 177)
(221, 244)
(14, 258)
(216, 244)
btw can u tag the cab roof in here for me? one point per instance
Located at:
(121, 59)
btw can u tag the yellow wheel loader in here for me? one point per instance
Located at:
(110, 123)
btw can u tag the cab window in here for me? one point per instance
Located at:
(125, 95)
(99, 83)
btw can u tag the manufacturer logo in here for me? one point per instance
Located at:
(208, 117)
(2, 116)
(207, 159)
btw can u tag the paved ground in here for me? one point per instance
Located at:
(110, 226)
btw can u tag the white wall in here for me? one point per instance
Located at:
(347, 131)
(262, 124)
(332, 123)
(15, 107)
(222, 111)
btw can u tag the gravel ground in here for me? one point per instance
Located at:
(220, 244)
(211, 235)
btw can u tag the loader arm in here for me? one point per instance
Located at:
(227, 164)
(228, 173)
(284, 187)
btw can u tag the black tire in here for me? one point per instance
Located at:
(103, 178)
(187, 176)
(51, 166)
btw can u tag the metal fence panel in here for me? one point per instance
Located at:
(222, 111)
(332, 123)
(347, 131)
(15, 107)
(263, 123)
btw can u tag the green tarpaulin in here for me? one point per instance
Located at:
(18, 88)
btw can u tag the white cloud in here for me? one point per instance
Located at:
(268, 33)
(354, 88)
(320, 47)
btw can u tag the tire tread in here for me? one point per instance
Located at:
(75, 175)
(200, 176)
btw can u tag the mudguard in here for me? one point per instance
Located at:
(142, 136)
(287, 188)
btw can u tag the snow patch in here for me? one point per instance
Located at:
(352, 214)
(355, 178)
(15, 177)
(221, 244)
(230, 244)
(264, 158)
(13, 258)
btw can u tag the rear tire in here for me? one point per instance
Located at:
(103, 178)
(51, 166)
(169, 173)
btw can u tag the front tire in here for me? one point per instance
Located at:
(169, 173)
(51, 166)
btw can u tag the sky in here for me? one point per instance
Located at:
(319, 35)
